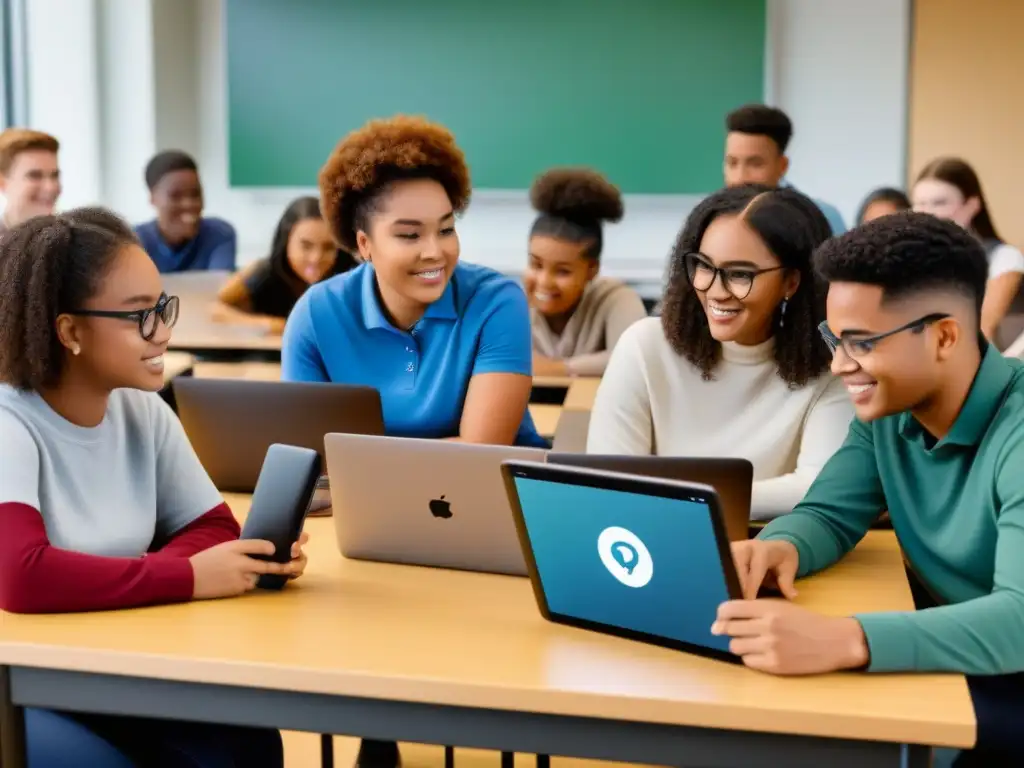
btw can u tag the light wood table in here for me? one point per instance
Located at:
(581, 394)
(446, 657)
(176, 364)
(545, 418)
(196, 331)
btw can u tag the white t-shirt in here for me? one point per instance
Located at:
(654, 401)
(1004, 258)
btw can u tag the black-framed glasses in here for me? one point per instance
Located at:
(166, 310)
(859, 346)
(736, 280)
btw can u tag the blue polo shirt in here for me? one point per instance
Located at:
(213, 248)
(339, 333)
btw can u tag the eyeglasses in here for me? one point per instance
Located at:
(736, 280)
(166, 309)
(859, 346)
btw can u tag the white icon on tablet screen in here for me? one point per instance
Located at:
(625, 556)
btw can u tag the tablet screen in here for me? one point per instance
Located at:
(645, 564)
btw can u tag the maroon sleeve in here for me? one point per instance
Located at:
(209, 529)
(36, 577)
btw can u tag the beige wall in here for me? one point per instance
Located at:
(967, 97)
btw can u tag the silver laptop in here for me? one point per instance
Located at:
(424, 502)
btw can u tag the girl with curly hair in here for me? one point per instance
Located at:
(576, 316)
(104, 503)
(446, 343)
(302, 253)
(734, 366)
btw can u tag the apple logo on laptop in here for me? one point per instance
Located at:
(441, 508)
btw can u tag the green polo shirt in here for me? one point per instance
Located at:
(957, 507)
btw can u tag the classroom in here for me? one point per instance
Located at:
(571, 383)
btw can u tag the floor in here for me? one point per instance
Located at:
(302, 750)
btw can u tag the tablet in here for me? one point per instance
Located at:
(642, 558)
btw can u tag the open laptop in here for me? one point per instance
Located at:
(641, 558)
(732, 479)
(232, 422)
(424, 502)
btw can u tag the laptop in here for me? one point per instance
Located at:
(424, 502)
(641, 558)
(232, 422)
(732, 479)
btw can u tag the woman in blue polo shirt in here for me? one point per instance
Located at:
(447, 344)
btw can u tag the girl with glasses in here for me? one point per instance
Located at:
(734, 367)
(103, 501)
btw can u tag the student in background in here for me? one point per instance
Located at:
(734, 365)
(939, 442)
(302, 253)
(181, 238)
(104, 503)
(29, 175)
(882, 202)
(755, 152)
(949, 188)
(576, 316)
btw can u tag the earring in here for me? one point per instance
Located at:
(75, 349)
(782, 312)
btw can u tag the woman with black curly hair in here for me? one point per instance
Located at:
(447, 344)
(734, 365)
(576, 317)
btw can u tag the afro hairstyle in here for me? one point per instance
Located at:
(364, 165)
(572, 203)
(905, 254)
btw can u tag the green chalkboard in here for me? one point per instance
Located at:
(636, 88)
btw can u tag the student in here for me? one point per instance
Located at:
(180, 238)
(733, 366)
(104, 503)
(882, 202)
(29, 175)
(576, 316)
(755, 152)
(939, 442)
(302, 253)
(949, 188)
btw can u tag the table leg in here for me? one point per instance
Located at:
(543, 761)
(449, 757)
(326, 750)
(914, 756)
(12, 726)
(508, 760)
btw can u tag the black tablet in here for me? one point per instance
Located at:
(642, 558)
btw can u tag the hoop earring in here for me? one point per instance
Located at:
(782, 312)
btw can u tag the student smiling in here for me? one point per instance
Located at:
(181, 238)
(938, 442)
(576, 316)
(733, 366)
(29, 175)
(103, 501)
(447, 344)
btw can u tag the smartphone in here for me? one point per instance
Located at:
(280, 503)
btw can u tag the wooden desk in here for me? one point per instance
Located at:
(196, 331)
(581, 394)
(545, 418)
(428, 655)
(176, 364)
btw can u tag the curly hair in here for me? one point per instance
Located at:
(50, 265)
(760, 120)
(791, 226)
(167, 162)
(572, 203)
(905, 254)
(364, 165)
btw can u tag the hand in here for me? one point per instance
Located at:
(548, 366)
(297, 566)
(231, 569)
(785, 639)
(774, 562)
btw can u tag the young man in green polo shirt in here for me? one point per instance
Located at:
(939, 443)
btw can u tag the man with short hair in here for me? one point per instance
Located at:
(29, 175)
(938, 442)
(755, 152)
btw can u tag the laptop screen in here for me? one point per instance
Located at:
(645, 564)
